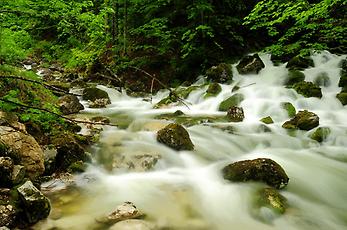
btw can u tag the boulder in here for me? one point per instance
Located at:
(99, 103)
(260, 169)
(92, 94)
(176, 137)
(308, 89)
(234, 100)
(294, 76)
(322, 79)
(213, 90)
(342, 97)
(133, 225)
(250, 64)
(267, 120)
(36, 205)
(320, 134)
(69, 104)
(125, 211)
(24, 150)
(221, 73)
(235, 114)
(7, 216)
(299, 62)
(6, 169)
(289, 108)
(303, 120)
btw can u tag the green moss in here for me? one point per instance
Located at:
(303, 120)
(267, 120)
(213, 90)
(289, 107)
(234, 100)
(300, 62)
(342, 97)
(320, 134)
(308, 89)
(271, 198)
(294, 76)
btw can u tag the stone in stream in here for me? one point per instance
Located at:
(97, 96)
(69, 104)
(303, 120)
(289, 108)
(175, 136)
(260, 169)
(235, 114)
(213, 90)
(36, 205)
(320, 134)
(221, 73)
(267, 120)
(299, 62)
(133, 224)
(294, 76)
(308, 89)
(250, 64)
(342, 97)
(322, 79)
(234, 100)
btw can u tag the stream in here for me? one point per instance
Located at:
(185, 189)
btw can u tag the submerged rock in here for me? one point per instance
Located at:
(213, 90)
(271, 198)
(69, 104)
(294, 76)
(221, 73)
(289, 108)
(133, 225)
(267, 120)
(303, 120)
(342, 97)
(36, 205)
(235, 114)
(320, 134)
(322, 79)
(234, 100)
(261, 169)
(308, 89)
(176, 137)
(99, 103)
(299, 62)
(250, 64)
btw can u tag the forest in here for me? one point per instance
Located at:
(73, 72)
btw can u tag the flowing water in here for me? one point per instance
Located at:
(185, 190)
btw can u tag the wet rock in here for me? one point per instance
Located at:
(234, 100)
(125, 211)
(7, 216)
(343, 79)
(177, 95)
(267, 120)
(101, 119)
(77, 167)
(250, 64)
(303, 120)
(213, 90)
(176, 137)
(271, 198)
(133, 225)
(178, 113)
(24, 150)
(322, 79)
(137, 162)
(92, 94)
(6, 169)
(294, 76)
(235, 114)
(289, 108)
(18, 174)
(36, 205)
(342, 97)
(260, 169)
(221, 73)
(308, 89)
(299, 62)
(69, 104)
(99, 103)
(320, 134)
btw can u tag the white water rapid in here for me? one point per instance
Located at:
(185, 190)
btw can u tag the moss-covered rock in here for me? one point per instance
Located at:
(235, 114)
(234, 100)
(303, 120)
(36, 205)
(294, 76)
(267, 120)
(342, 97)
(289, 108)
(272, 199)
(250, 64)
(221, 73)
(260, 169)
(320, 134)
(322, 79)
(176, 137)
(343, 79)
(69, 104)
(299, 62)
(93, 93)
(177, 95)
(213, 90)
(308, 89)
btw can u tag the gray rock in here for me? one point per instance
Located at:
(69, 104)
(125, 211)
(36, 205)
(92, 94)
(176, 137)
(250, 64)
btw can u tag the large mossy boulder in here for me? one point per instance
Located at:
(299, 62)
(289, 107)
(308, 89)
(220, 73)
(342, 97)
(260, 169)
(234, 100)
(36, 205)
(213, 90)
(294, 76)
(303, 120)
(176, 137)
(92, 94)
(235, 114)
(250, 64)
(320, 134)
(69, 104)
